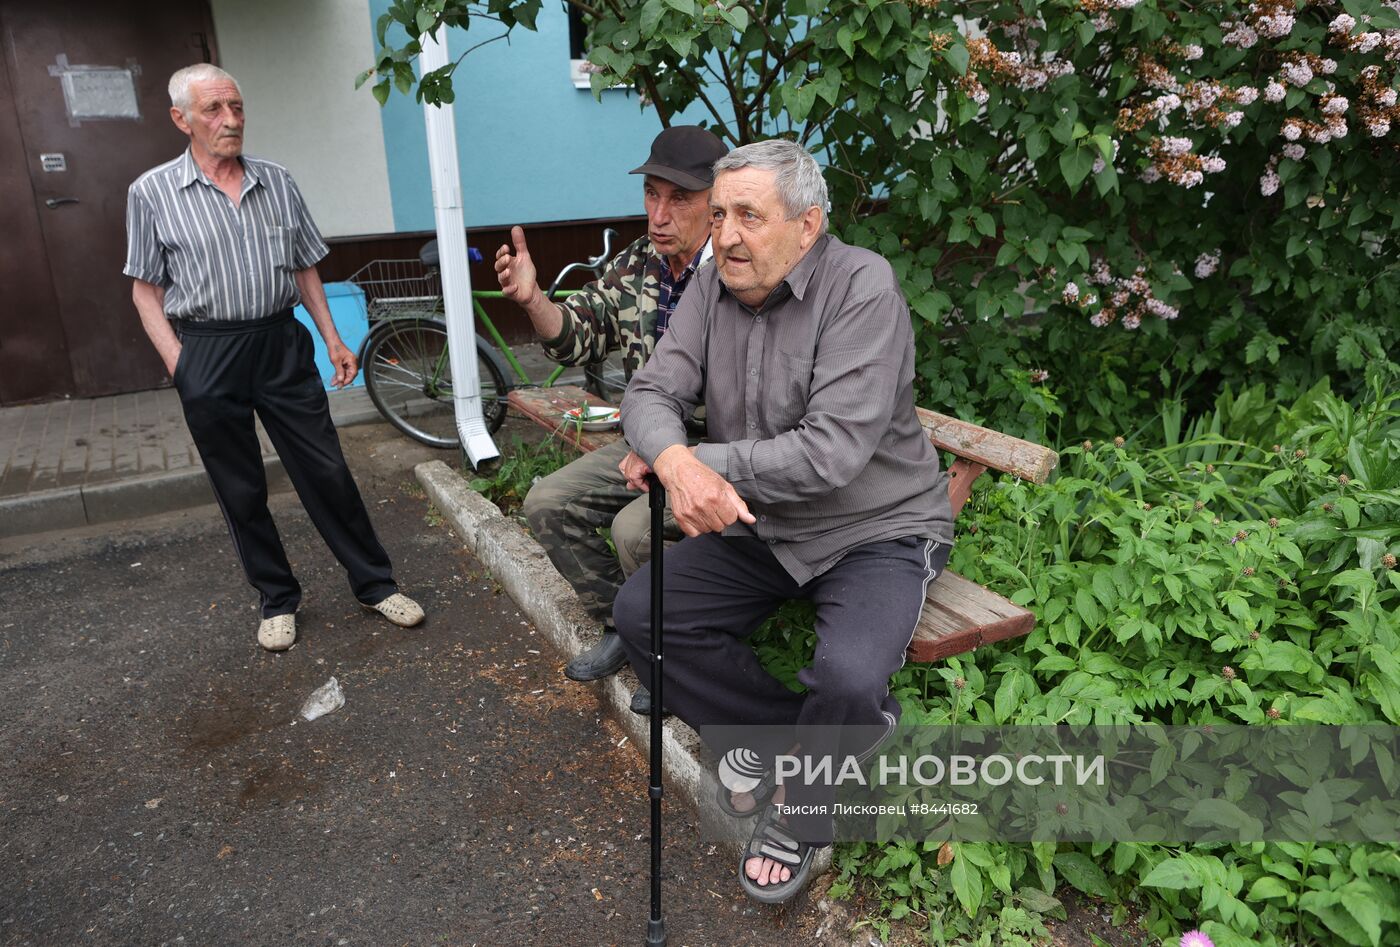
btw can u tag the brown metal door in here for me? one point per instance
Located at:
(85, 113)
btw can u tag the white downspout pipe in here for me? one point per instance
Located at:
(452, 263)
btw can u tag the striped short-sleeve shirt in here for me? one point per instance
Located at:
(217, 261)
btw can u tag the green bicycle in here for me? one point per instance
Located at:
(408, 374)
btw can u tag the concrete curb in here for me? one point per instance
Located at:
(519, 564)
(128, 498)
(152, 493)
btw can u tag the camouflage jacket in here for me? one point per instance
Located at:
(616, 312)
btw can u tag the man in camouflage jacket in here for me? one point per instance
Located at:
(625, 310)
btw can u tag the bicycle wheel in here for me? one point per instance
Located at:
(408, 376)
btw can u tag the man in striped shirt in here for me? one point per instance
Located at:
(221, 248)
(817, 482)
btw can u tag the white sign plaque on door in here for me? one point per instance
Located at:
(53, 162)
(96, 93)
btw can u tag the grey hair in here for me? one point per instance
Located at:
(184, 78)
(798, 176)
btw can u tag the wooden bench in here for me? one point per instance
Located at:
(959, 615)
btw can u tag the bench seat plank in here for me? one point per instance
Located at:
(546, 406)
(960, 615)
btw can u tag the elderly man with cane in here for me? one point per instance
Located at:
(817, 483)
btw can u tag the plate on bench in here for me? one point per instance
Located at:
(592, 417)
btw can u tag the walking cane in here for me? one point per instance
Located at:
(656, 926)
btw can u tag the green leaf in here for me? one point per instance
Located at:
(1364, 910)
(1033, 899)
(845, 39)
(1075, 165)
(1081, 872)
(1267, 887)
(425, 20)
(380, 90)
(682, 6)
(1087, 608)
(966, 879)
(1173, 874)
(957, 57)
(1008, 696)
(652, 11)
(737, 16)
(1036, 144)
(1008, 254)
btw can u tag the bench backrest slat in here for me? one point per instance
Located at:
(990, 448)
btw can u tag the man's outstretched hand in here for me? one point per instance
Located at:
(516, 274)
(701, 500)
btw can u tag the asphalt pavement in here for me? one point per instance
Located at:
(157, 785)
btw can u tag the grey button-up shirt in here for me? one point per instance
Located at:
(811, 407)
(217, 261)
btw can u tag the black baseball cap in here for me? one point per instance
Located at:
(683, 155)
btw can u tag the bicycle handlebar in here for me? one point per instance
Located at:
(595, 264)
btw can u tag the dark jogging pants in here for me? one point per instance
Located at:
(227, 371)
(719, 589)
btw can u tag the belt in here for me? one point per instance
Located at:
(186, 327)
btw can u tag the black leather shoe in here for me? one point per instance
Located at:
(604, 658)
(641, 702)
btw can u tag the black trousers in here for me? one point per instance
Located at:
(719, 589)
(226, 372)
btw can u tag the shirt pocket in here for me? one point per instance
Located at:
(789, 391)
(279, 246)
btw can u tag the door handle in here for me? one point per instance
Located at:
(53, 202)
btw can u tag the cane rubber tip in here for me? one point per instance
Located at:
(656, 933)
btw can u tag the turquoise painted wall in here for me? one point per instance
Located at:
(532, 147)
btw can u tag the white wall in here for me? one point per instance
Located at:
(296, 63)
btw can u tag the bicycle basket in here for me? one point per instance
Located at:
(397, 288)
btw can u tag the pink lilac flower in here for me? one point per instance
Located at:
(1159, 309)
(1367, 42)
(1071, 292)
(1274, 91)
(1292, 130)
(1336, 127)
(1098, 164)
(1206, 264)
(1386, 99)
(1164, 104)
(1378, 127)
(1172, 146)
(1298, 73)
(1242, 35)
(1039, 376)
(1196, 939)
(1246, 94)
(1294, 151)
(1329, 66)
(1275, 26)
(1342, 24)
(1099, 320)
(1191, 52)
(1269, 183)
(1232, 119)
(1132, 320)
(1213, 164)
(1337, 105)
(1099, 273)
